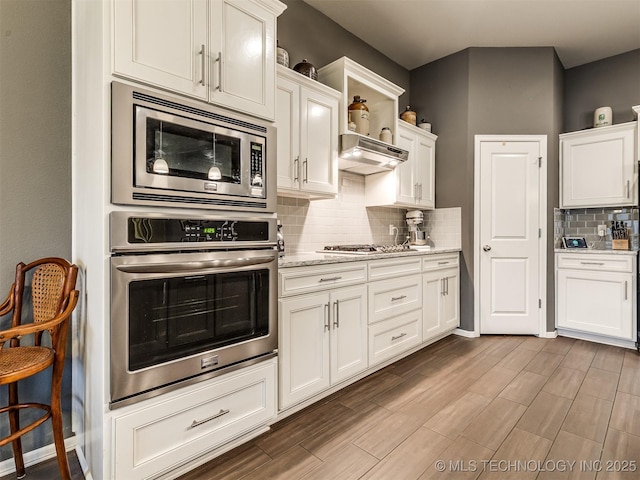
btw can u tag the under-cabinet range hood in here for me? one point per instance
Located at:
(364, 155)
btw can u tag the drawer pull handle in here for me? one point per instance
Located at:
(202, 64)
(592, 263)
(393, 299)
(442, 263)
(197, 423)
(398, 336)
(330, 279)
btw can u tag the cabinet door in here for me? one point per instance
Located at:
(348, 332)
(304, 347)
(288, 127)
(243, 67)
(432, 293)
(598, 168)
(450, 310)
(162, 43)
(318, 142)
(405, 173)
(424, 162)
(596, 302)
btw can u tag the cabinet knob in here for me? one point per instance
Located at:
(486, 248)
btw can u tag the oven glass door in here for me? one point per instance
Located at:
(181, 154)
(181, 316)
(171, 318)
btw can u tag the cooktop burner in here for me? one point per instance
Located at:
(366, 249)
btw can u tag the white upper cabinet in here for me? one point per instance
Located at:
(221, 51)
(598, 167)
(381, 95)
(307, 124)
(412, 183)
(163, 44)
(636, 109)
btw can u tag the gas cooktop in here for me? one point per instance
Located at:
(365, 249)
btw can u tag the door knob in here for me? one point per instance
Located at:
(486, 248)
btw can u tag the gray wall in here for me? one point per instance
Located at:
(487, 91)
(308, 34)
(613, 82)
(35, 155)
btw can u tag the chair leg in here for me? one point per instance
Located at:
(58, 435)
(14, 425)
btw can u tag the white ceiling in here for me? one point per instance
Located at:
(416, 32)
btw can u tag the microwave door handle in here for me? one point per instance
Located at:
(193, 266)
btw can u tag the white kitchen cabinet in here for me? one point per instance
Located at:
(155, 436)
(598, 167)
(322, 336)
(392, 297)
(395, 307)
(394, 336)
(596, 294)
(221, 51)
(441, 302)
(351, 79)
(636, 110)
(412, 183)
(307, 124)
(441, 295)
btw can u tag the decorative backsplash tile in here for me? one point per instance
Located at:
(583, 222)
(444, 226)
(309, 225)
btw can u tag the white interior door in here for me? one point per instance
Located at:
(509, 243)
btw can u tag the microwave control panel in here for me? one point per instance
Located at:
(256, 161)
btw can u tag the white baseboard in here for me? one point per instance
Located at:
(36, 456)
(83, 463)
(553, 334)
(597, 338)
(465, 333)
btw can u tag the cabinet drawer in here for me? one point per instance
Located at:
(394, 336)
(152, 439)
(294, 281)
(434, 262)
(604, 262)
(393, 297)
(389, 268)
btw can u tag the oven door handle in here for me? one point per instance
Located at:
(194, 266)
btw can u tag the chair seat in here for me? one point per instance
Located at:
(20, 362)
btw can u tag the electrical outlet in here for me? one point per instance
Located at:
(602, 230)
(391, 229)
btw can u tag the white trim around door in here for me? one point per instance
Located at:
(542, 224)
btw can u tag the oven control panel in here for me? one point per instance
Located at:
(174, 230)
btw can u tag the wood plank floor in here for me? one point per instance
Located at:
(490, 407)
(504, 407)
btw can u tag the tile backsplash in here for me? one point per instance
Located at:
(309, 225)
(583, 222)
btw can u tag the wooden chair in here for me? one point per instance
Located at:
(53, 298)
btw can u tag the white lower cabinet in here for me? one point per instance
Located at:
(441, 295)
(395, 309)
(322, 341)
(596, 294)
(155, 436)
(395, 335)
(339, 322)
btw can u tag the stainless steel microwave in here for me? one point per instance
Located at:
(168, 151)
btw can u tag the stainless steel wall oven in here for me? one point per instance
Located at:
(192, 297)
(172, 152)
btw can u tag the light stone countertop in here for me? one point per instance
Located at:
(314, 258)
(596, 251)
